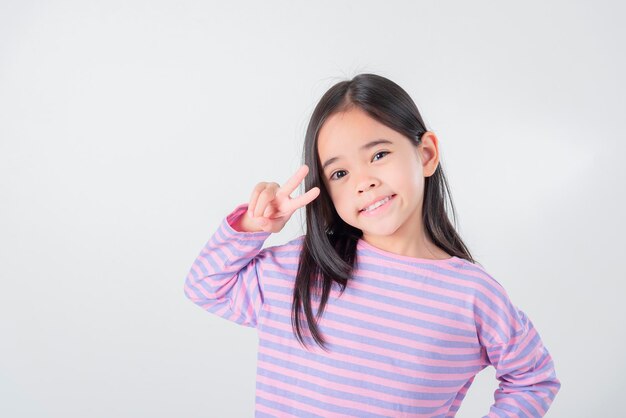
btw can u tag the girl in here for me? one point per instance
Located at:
(379, 309)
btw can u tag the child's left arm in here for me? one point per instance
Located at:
(528, 382)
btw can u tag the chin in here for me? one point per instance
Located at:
(371, 227)
(378, 230)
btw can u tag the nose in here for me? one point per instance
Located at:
(366, 183)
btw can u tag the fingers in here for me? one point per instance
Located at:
(255, 196)
(295, 180)
(305, 199)
(265, 192)
(262, 195)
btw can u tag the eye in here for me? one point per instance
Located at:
(332, 176)
(381, 152)
(338, 171)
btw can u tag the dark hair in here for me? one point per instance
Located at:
(329, 247)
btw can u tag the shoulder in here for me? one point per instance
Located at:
(479, 280)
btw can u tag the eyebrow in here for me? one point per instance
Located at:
(369, 145)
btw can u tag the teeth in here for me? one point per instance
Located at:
(377, 204)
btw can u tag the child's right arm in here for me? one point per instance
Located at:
(224, 277)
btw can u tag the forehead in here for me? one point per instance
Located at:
(347, 131)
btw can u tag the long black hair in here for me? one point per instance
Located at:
(329, 247)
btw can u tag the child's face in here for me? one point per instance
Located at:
(361, 176)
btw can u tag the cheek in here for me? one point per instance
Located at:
(341, 203)
(416, 186)
(414, 181)
(408, 185)
(337, 200)
(412, 178)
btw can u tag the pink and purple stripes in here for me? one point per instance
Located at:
(406, 338)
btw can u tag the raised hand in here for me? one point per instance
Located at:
(271, 206)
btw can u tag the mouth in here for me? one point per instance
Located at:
(376, 205)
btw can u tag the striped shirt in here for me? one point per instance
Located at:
(405, 339)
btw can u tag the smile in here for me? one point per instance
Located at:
(377, 207)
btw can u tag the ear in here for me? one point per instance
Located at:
(429, 153)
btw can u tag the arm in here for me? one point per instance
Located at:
(224, 278)
(528, 382)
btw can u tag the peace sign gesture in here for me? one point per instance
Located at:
(271, 206)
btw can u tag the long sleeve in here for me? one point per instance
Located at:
(224, 278)
(524, 368)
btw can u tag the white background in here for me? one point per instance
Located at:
(129, 129)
